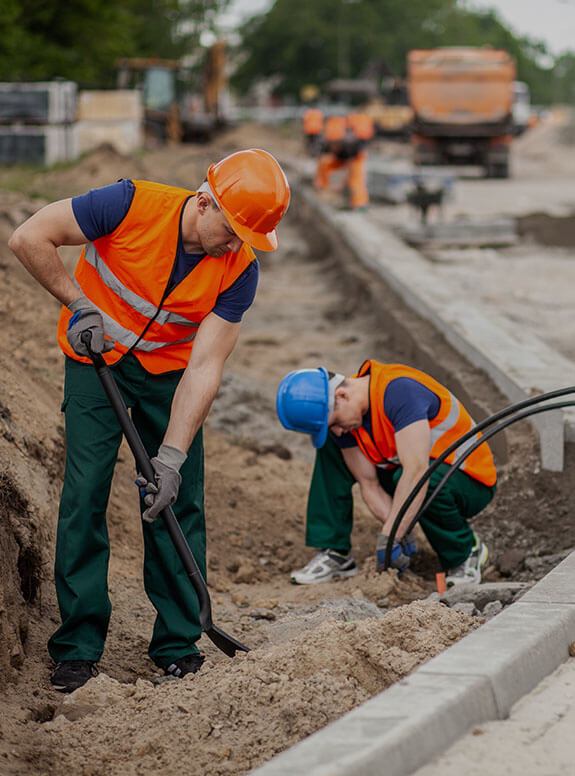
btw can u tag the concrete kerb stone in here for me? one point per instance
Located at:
(518, 362)
(515, 650)
(558, 587)
(476, 680)
(394, 733)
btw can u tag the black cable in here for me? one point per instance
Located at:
(464, 437)
(513, 408)
(455, 466)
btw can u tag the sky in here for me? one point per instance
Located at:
(551, 21)
(240, 10)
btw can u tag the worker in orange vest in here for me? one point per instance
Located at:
(164, 277)
(312, 122)
(380, 428)
(345, 148)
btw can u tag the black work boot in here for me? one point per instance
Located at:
(71, 674)
(189, 664)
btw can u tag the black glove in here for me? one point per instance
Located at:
(401, 551)
(164, 491)
(86, 318)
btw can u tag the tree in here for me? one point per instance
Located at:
(82, 40)
(297, 42)
(305, 42)
(564, 79)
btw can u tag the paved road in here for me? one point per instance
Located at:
(529, 283)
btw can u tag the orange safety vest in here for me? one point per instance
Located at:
(362, 125)
(125, 274)
(451, 422)
(335, 127)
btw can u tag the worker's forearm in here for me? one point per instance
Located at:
(376, 499)
(190, 406)
(42, 261)
(406, 483)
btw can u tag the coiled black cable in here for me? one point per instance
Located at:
(513, 409)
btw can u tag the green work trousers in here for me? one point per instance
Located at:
(93, 437)
(445, 522)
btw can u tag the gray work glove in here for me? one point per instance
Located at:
(86, 318)
(164, 491)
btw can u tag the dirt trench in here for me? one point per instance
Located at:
(316, 651)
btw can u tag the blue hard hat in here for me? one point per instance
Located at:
(302, 403)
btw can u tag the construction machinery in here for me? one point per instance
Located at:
(157, 79)
(391, 112)
(173, 110)
(462, 100)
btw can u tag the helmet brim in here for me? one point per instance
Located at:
(320, 437)
(257, 240)
(260, 241)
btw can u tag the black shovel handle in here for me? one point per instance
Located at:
(223, 641)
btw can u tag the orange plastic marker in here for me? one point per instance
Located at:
(440, 582)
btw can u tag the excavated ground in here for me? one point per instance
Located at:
(317, 651)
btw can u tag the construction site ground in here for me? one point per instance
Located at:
(317, 651)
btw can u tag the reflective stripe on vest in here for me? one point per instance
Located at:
(144, 307)
(128, 339)
(125, 276)
(450, 423)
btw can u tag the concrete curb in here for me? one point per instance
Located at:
(476, 680)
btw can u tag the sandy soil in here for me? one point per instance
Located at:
(317, 651)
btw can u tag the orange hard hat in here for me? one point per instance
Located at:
(335, 128)
(252, 191)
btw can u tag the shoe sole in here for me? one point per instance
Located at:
(477, 579)
(68, 687)
(335, 575)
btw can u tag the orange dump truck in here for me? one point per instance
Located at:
(462, 100)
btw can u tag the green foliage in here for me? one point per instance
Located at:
(298, 42)
(82, 39)
(302, 42)
(563, 84)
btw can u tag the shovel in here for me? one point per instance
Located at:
(226, 643)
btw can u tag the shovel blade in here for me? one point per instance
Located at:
(227, 644)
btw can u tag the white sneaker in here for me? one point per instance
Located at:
(469, 572)
(326, 565)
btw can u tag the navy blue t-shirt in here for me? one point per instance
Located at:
(100, 211)
(405, 401)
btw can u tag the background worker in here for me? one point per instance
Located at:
(385, 423)
(312, 123)
(162, 282)
(344, 149)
